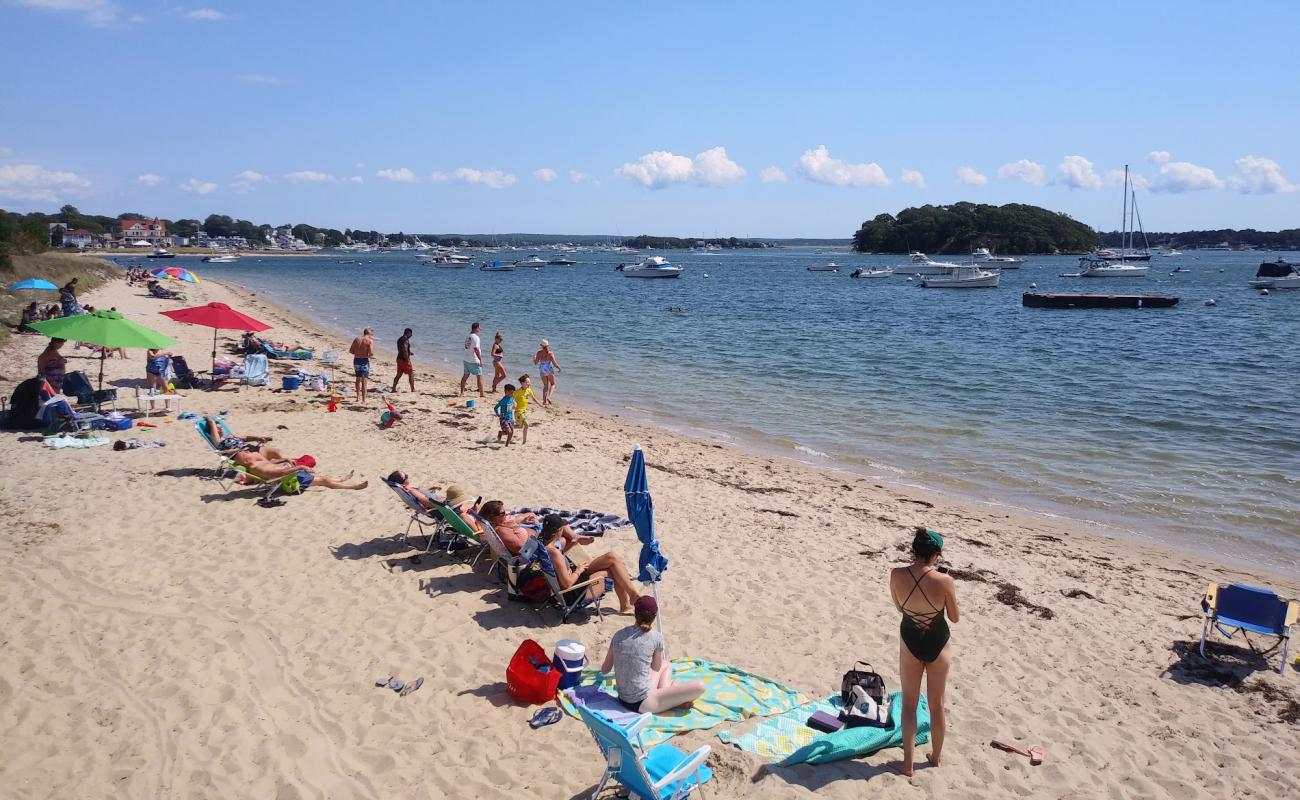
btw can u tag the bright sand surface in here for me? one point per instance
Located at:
(164, 638)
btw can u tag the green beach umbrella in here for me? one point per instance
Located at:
(105, 328)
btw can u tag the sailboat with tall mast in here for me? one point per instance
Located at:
(1109, 264)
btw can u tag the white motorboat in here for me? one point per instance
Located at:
(161, 252)
(864, 272)
(221, 258)
(497, 266)
(532, 261)
(829, 266)
(1278, 274)
(561, 262)
(1172, 253)
(985, 256)
(922, 265)
(962, 276)
(651, 267)
(1094, 267)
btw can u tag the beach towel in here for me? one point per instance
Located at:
(787, 740)
(731, 694)
(74, 442)
(584, 522)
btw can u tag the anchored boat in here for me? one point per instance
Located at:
(1067, 300)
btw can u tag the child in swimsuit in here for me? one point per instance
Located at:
(505, 412)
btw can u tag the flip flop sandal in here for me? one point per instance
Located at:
(1035, 755)
(383, 681)
(1010, 748)
(546, 716)
(396, 685)
(411, 687)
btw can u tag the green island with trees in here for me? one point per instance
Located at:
(957, 228)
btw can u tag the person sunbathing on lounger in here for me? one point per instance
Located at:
(605, 565)
(514, 529)
(228, 443)
(260, 467)
(425, 496)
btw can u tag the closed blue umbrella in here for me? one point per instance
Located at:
(34, 283)
(641, 510)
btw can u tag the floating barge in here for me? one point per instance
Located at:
(1069, 300)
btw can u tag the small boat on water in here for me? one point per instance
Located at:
(1278, 274)
(161, 252)
(1172, 253)
(221, 258)
(984, 256)
(1067, 300)
(497, 266)
(865, 272)
(561, 262)
(651, 267)
(531, 261)
(1177, 270)
(1094, 267)
(962, 276)
(829, 266)
(921, 264)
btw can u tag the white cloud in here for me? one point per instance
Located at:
(33, 182)
(491, 178)
(1181, 176)
(356, 179)
(1030, 172)
(196, 186)
(1077, 172)
(439, 177)
(913, 178)
(578, 176)
(1137, 180)
(969, 177)
(772, 175)
(658, 169)
(1257, 175)
(545, 174)
(149, 179)
(207, 15)
(818, 166)
(308, 176)
(359, 165)
(95, 12)
(399, 175)
(713, 168)
(247, 181)
(253, 77)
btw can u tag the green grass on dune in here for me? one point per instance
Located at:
(58, 269)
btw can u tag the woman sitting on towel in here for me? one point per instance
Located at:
(643, 676)
(605, 565)
(927, 599)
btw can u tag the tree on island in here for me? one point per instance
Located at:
(957, 228)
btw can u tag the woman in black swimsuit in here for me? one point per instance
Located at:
(923, 594)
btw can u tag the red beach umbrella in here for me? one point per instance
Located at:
(219, 317)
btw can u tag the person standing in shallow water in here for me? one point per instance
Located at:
(927, 599)
(547, 366)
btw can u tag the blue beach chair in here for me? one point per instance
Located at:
(257, 370)
(1238, 607)
(227, 470)
(661, 773)
(420, 516)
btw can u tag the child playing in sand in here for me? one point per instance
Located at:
(522, 395)
(505, 412)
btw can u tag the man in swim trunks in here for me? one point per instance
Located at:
(404, 360)
(307, 476)
(363, 347)
(473, 361)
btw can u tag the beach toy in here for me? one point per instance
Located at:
(333, 404)
(570, 657)
(291, 382)
(146, 425)
(471, 403)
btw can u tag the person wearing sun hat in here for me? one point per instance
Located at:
(927, 599)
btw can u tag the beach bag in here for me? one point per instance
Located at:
(527, 585)
(531, 677)
(870, 681)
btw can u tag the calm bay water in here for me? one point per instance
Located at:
(1178, 425)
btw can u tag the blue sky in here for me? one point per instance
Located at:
(753, 119)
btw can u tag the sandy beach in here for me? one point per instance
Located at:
(165, 638)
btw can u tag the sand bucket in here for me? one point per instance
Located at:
(569, 659)
(291, 382)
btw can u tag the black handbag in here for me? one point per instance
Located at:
(869, 680)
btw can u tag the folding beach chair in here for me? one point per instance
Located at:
(187, 378)
(1238, 607)
(298, 354)
(58, 415)
(457, 530)
(509, 567)
(534, 551)
(661, 773)
(256, 370)
(420, 516)
(76, 384)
